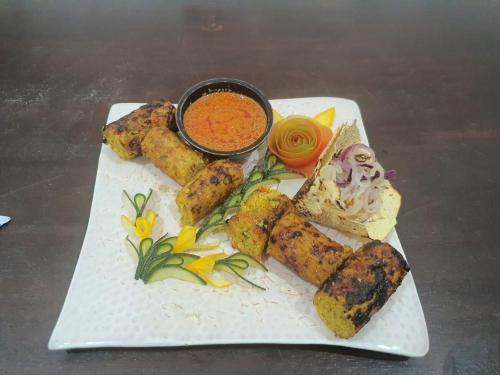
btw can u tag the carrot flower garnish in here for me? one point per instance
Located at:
(299, 141)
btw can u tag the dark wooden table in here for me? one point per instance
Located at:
(425, 74)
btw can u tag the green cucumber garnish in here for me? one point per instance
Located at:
(233, 201)
(163, 248)
(278, 166)
(270, 161)
(145, 246)
(163, 272)
(281, 174)
(156, 260)
(187, 258)
(167, 240)
(174, 260)
(207, 229)
(227, 267)
(214, 219)
(255, 175)
(238, 263)
(252, 262)
(255, 186)
(139, 202)
(272, 172)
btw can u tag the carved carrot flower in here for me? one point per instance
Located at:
(298, 141)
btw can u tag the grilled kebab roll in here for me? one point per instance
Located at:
(211, 186)
(304, 249)
(166, 151)
(349, 297)
(249, 229)
(126, 134)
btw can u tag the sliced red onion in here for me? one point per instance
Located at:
(343, 153)
(354, 148)
(345, 183)
(358, 175)
(390, 174)
(375, 176)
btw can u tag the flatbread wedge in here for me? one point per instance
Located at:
(317, 198)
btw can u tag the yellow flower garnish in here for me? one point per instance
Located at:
(143, 225)
(218, 282)
(276, 116)
(186, 240)
(326, 117)
(204, 266)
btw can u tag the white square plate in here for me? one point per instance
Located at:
(106, 307)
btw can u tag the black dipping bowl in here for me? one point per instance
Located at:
(222, 85)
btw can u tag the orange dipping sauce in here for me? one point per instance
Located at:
(225, 121)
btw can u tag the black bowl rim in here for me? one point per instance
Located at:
(267, 109)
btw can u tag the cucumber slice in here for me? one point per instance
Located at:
(234, 201)
(150, 253)
(145, 249)
(252, 262)
(204, 231)
(160, 260)
(163, 272)
(238, 263)
(232, 210)
(173, 260)
(240, 275)
(221, 266)
(270, 161)
(216, 211)
(139, 200)
(214, 219)
(278, 166)
(255, 186)
(232, 270)
(159, 240)
(255, 175)
(188, 258)
(145, 246)
(169, 240)
(155, 256)
(284, 174)
(163, 248)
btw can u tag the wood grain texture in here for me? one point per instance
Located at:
(426, 75)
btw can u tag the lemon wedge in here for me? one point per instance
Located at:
(326, 117)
